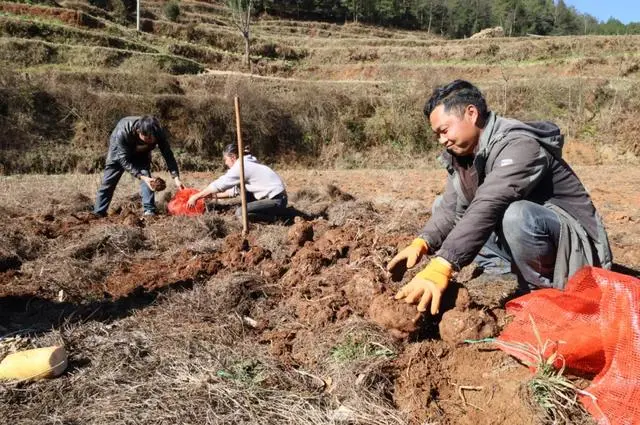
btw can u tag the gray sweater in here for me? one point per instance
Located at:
(514, 161)
(259, 179)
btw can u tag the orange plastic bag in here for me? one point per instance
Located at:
(596, 322)
(178, 204)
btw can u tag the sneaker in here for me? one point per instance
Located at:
(149, 214)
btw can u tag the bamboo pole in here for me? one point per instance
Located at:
(243, 192)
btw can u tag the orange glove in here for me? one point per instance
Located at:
(428, 285)
(412, 254)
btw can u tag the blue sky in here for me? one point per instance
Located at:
(624, 10)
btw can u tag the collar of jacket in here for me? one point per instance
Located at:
(487, 134)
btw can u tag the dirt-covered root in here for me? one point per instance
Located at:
(466, 321)
(400, 318)
(158, 184)
(457, 326)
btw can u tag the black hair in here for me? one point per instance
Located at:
(232, 149)
(457, 95)
(149, 126)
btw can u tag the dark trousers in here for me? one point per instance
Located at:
(112, 173)
(267, 210)
(526, 242)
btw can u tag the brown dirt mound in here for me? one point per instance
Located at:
(312, 202)
(25, 238)
(239, 253)
(81, 202)
(9, 212)
(315, 203)
(180, 268)
(462, 386)
(257, 316)
(300, 232)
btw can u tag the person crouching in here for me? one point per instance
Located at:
(266, 193)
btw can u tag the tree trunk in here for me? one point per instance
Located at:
(355, 11)
(246, 51)
(513, 21)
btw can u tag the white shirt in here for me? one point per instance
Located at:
(259, 179)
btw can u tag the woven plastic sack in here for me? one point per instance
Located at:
(178, 204)
(596, 324)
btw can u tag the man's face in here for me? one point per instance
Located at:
(146, 138)
(229, 160)
(457, 132)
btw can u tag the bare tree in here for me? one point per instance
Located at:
(241, 15)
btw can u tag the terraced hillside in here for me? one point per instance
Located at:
(316, 92)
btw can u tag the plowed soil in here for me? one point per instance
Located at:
(295, 285)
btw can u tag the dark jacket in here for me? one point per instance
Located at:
(513, 161)
(126, 148)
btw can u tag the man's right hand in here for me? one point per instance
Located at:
(411, 255)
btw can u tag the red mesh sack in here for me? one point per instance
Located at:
(596, 324)
(178, 204)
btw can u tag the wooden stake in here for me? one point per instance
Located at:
(243, 192)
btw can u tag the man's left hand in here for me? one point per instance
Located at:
(178, 183)
(428, 285)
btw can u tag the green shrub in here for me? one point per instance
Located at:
(172, 11)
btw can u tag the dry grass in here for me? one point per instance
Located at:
(107, 240)
(551, 393)
(340, 214)
(185, 360)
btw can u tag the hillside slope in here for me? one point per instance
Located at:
(317, 92)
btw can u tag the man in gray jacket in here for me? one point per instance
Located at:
(130, 147)
(511, 203)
